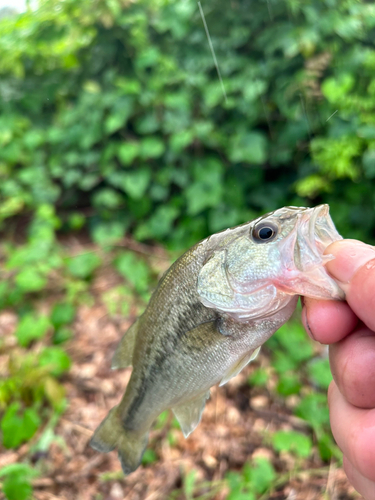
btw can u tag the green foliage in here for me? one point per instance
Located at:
(31, 327)
(320, 372)
(295, 366)
(292, 441)
(17, 426)
(254, 481)
(290, 349)
(83, 266)
(118, 110)
(17, 481)
(134, 270)
(149, 457)
(258, 377)
(55, 359)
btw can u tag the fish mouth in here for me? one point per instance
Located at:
(313, 232)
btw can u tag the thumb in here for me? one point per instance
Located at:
(354, 269)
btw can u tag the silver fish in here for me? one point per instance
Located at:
(208, 317)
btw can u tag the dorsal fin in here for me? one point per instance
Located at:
(123, 356)
(189, 414)
(239, 365)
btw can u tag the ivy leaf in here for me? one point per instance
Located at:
(127, 152)
(248, 147)
(152, 147)
(135, 183)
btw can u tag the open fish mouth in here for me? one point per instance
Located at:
(314, 232)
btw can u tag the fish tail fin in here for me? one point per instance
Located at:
(111, 434)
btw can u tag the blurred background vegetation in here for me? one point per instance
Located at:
(113, 121)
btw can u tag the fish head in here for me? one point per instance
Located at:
(255, 269)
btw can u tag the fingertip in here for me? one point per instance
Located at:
(350, 256)
(328, 321)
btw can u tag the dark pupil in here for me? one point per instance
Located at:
(265, 233)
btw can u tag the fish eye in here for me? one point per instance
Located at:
(264, 232)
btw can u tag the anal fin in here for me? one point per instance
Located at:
(123, 356)
(189, 414)
(239, 365)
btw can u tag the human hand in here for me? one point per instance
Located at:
(349, 328)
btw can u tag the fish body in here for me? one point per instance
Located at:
(209, 315)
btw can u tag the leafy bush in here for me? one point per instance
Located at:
(115, 116)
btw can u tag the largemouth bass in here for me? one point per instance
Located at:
(208, 317)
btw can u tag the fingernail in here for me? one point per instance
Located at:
(350, 255)
(306, 323)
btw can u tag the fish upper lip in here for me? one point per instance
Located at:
(314, 231)
(319, 211)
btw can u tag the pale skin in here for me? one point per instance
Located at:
(349, 328)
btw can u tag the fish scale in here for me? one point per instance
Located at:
(209, 315)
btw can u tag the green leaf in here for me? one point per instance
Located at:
(18, 468)
(16, 485)
(149, 457)
(30, 280)
(118, 118)
(259, 377)
(62, 313)
(160, 223)
(18, 426)
(127, 152)
(207, 189)
(55, 359)
(31, 327)
(62, 334)
(337, 88)
(135, 183)
(152, 147)
(320, 372)
(262, 475)
(289, 383)
(109, 233)
(314, 409)
(83, 265)
(107, 198)
(293, 442)
(134, 269)
(248, 147)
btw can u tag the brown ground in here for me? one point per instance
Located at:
(234, 429)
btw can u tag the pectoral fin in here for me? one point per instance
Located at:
(123, 356)
(189, 414)
(239, 365)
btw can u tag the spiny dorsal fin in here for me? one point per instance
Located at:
(189, 415)
(237, 367)
(123, 356)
